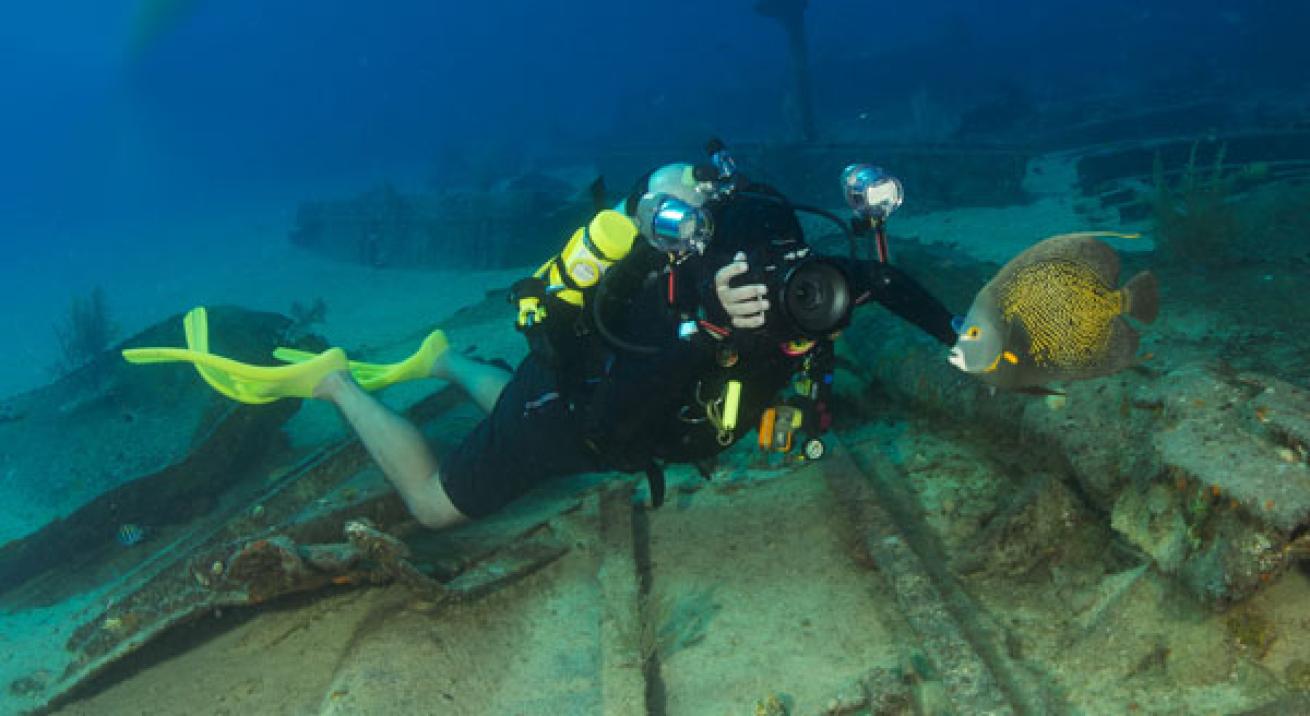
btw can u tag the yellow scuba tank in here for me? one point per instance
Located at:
(588, 254)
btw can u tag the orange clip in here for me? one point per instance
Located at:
(767, 420)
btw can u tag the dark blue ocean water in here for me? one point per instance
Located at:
(218, 104)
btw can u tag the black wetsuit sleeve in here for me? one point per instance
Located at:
(699, 285)
(902, 295)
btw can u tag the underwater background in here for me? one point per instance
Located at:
(333, 174)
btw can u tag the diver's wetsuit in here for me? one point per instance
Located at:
(531, 435)
(628, 409)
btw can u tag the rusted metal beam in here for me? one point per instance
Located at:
(949, 665)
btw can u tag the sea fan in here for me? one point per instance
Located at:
(85, 332)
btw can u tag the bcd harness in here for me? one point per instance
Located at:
(553, 314)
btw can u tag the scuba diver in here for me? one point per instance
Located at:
(666, 329)
(664, 332)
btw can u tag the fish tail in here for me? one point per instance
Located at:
(1143, 297)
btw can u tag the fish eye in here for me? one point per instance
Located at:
(973, 332)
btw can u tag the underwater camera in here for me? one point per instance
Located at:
(810, 295)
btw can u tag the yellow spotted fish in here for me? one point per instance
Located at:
(1055, 312)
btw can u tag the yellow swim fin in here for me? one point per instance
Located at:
(241, 381)
(196, 326)
(376, 376)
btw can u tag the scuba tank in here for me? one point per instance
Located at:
(588, 254)
(551, 301)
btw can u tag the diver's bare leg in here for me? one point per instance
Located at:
(397, 447)
(483, 382)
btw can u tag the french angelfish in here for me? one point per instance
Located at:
(1055, 312)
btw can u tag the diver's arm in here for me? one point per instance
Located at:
(902, 295)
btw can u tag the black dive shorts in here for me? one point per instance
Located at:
(531, 436)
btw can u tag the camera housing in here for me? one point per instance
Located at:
(809, 296)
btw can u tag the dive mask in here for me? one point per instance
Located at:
(671, 225)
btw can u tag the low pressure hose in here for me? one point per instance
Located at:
(824, 213)
(602, 292)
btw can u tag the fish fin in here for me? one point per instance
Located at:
(1018, 342)
(1084, 248)
(1039, 390)
(1122, 351)
(1142, 297)
(1096, 254)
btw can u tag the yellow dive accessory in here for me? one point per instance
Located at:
(777, 427)
(731, 404)
(531, 311)
(195, 324)
(722, 412)
(798, 347)
(242, 382)
(255, 384)
(376, 376)
(588, 254)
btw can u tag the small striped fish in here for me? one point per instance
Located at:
(131, 534)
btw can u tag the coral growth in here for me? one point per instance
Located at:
(305, 316)
(655, 612)
(1297, 675)
(85, 331)
(311, 314)
(669, 624)
(1250, 630)
(1193, 221)
(1209, 214)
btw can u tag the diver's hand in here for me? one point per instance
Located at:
(745, 305)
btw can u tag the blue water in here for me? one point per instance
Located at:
(181, 132)
(236, 102)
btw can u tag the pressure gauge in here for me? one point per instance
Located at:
(814, 449)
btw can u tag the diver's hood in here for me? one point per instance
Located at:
(677, 180)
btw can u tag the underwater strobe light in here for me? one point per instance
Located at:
(873, 195)
(870, 191)
(672, 225)
(718, 179)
